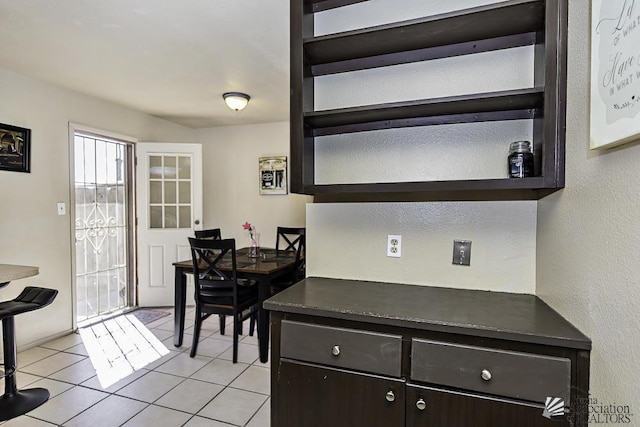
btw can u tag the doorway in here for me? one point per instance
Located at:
(103, 233)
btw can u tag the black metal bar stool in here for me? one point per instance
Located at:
(14, 403)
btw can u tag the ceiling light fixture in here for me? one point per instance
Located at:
(236, 100)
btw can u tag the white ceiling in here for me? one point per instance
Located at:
(172, 59)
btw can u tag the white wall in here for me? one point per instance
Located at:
(349, 240)
(31, 232)
(588, 240)
(231, 190)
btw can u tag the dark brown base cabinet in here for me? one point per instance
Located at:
(334, 366)
(313, 396)
(454, 409)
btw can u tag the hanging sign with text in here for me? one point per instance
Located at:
(615, 72)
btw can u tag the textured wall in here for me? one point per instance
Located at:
(349, 240)
(31, 232)
(588, 240)
(230, 163)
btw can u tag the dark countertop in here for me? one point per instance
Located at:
(501, 315)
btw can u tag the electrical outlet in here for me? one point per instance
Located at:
(462, 252)
(394, 246)
(62, 208)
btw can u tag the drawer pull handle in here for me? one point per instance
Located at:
(335, 350)
(421, 404)
(486, 375)
(390, 396)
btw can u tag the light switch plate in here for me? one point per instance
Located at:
(462, 252)
(62, 208)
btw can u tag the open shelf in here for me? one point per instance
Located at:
(480, 23)
(491, 106)
(320, 5)
(479, 189)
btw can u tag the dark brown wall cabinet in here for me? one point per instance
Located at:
(513, 23)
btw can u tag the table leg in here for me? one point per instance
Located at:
(264, 292)
(180, 298)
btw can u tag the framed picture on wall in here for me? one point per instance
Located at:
(615, 73)
(273, 175)
(15, 148)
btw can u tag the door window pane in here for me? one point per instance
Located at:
(155, 192)
(170, 217)
(185, 216)
(184, 191)
(170, 196)
(169, 167)
(184, 167)
(156, 216)
(155, 167)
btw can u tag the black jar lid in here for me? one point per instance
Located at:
(520, 147)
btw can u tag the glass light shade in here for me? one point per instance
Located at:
(236, 100)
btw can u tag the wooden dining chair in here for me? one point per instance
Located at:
(291, 239)
(217, 291)
(212, 233)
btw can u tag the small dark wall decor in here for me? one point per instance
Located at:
(15, 148)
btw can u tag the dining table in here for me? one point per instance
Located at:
(269, 265)
(9, 272)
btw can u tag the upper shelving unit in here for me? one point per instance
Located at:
(496, 26)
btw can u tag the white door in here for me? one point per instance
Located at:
(169, 188)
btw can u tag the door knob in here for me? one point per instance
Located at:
(197, 222)
(390, 396)
(335, 350)
(421, 404)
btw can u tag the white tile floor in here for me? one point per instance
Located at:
(175, 390)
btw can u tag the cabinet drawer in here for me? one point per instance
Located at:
(498, 372)
(344, 348)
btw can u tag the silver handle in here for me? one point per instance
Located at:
(390, 396)
(421, 404)
(486, 375)
(335, 350)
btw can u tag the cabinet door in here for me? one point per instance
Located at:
(312, 396)
(453, 409)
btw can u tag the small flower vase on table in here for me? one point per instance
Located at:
(254, 249)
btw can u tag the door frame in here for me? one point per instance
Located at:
(132, 213)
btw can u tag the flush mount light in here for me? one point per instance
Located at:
(236, 100)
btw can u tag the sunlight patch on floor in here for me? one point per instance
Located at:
(120, 346)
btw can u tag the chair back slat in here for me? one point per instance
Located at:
(212, 233)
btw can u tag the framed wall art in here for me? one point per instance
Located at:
(273, 175)
(15, 148)
(615, 72)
